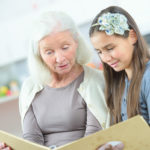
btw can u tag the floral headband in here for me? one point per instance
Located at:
(112, 23)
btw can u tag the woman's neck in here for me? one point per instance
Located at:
(63, 80)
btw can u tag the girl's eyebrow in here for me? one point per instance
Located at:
(105, 47)
(96, 49)
(110, 44)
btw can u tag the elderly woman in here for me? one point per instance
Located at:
(63, 100)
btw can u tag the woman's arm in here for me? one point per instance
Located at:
(92, 124)
(31, 130)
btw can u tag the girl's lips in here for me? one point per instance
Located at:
(114, 64)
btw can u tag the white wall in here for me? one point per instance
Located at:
(140, 11)
(16, 19)
(15, 27)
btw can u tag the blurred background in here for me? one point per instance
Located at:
(15, 27)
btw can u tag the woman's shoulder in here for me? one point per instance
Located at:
(94, 76)
(93, 72)
(29, 86)
(27, 93)
(30, 83)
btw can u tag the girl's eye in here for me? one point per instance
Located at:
(109, 49)
(99, 52)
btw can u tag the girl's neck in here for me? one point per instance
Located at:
(129, 73)
(129, 70)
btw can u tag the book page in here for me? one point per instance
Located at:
(134, 133)
(18, 143)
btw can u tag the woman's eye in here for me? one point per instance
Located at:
(49, 52)
(65, 47)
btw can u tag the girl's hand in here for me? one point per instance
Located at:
(3, 146)
(113, 145)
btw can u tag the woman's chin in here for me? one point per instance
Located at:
(63, 71)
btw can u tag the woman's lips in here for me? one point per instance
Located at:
(63, 66)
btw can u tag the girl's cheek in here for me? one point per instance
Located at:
(116, 55)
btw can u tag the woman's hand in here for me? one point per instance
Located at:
(113, 145)
(3, 146)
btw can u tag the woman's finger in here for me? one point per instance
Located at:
(2, 145)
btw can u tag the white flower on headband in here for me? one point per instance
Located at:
(113, 23)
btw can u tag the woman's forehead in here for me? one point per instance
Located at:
(57, 38)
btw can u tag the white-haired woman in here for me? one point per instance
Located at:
(63, 100)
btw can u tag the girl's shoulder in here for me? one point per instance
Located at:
(145, 84)
(146, 75)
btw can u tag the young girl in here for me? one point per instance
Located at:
(126, 61)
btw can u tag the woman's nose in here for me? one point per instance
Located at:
(59, 57)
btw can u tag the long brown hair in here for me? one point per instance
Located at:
(115, 81)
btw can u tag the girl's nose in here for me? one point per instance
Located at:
(106, 57)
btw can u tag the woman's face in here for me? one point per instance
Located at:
(114, 50)
(58, 51)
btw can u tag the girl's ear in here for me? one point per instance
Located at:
(132, 36)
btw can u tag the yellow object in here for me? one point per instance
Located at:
(134, 133)
(4, 89)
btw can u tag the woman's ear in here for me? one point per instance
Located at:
(132, 36)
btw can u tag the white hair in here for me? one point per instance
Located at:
(44, 25)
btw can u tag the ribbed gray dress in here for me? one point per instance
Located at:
(58, 116)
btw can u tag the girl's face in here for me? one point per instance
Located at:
(116, 51)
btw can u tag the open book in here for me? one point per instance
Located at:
(134, 133)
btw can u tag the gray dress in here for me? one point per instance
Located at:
(58, 116)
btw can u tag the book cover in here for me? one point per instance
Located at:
(134, 133)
